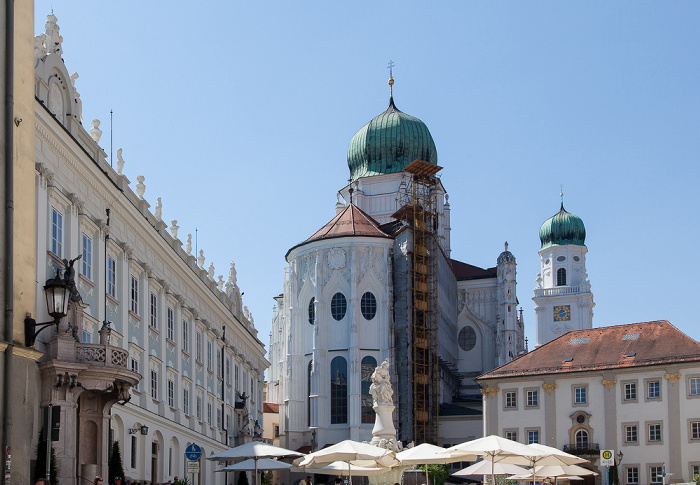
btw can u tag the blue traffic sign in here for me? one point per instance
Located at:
(193, 452)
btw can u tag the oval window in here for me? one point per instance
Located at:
(368, 305)
(561, 258)
(466, 338)
(312, 311)
(339, 305)
(576, 258)
(546, 262)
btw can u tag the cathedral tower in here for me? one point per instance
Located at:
(563, 298)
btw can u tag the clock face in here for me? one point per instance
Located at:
(562, 313)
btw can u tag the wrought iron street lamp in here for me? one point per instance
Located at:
(57, 294)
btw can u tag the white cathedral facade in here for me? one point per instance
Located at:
(346, 304)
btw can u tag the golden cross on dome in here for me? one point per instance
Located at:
(390, 66)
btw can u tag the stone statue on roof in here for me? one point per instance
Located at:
(120, 161)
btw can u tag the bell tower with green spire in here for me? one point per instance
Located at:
(563, 298)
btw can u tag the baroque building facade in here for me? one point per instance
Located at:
(155, 352)
(351, 299)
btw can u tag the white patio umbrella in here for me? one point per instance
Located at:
(254, 450)
(260, 464)
(344, 469)
(494, 449)
(544, 455)
(350, 452)
(425, 454)
(532, 476)
(485, 467)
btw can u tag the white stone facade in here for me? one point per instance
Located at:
(190, 339)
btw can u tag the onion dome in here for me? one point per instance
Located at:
(561, 229)
(388, 143)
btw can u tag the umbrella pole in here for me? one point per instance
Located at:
(493, 478)
(256, 472)
(349, 473)
(427, 481)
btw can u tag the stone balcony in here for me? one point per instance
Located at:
(102, 355)
(562, 290)
(589, 449)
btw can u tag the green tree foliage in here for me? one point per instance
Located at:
(437, 473)
(182, 481)
(696, 479)
(40, 466)
(613, 478)
(115, 463)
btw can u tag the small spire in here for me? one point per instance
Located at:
(506, 245)
(561, 194)
(390, 66)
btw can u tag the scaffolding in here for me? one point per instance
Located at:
(418, 208)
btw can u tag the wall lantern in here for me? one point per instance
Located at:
(57, 294)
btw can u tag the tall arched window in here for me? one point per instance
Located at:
(581, 439)
(339, 391)
(561, 277)
(366, 369)
(312, 311)
(308, 394)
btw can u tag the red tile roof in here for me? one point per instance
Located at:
(620, 346)
(271, 407)
(464, 271)
(350, 222)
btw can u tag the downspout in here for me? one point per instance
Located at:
(9, 231)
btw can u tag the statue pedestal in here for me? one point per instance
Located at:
(383, 424)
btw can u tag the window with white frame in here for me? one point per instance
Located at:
(218, 363)
(695, 430)
(511, 399)
(656, 474)
(653, 389)
(218, 418)
(186, 401)
(111, 277)
(209, 413)
(580, 395)
(581, 439)
(87, 337)
(154, 384)
(171, 324)
(185, 335)
(236, 375)
(209, 355)
(533, 398)
(135, 368)
(86, 263)
(631, 433)
(694, 386)
(630, 392)
(654, 432)
(511, 435)
(198, 346)
(56, 232)
(154, 311)
(228, 370)
(199, 408)
(632, 475)
(171, 393)
(134, 295)
(533, 436)
(694, 470)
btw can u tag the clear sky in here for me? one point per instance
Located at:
(239, 115)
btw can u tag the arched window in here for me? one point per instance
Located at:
(312, 311)
(367, 368)
(368, 306)
(561, 277)
(308, 394)
(339, 305)
(581, 439)
(339, 391)
(466, 338)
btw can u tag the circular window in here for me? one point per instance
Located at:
(576, 258)
(368, 305)
(339, 305)
(561, 258)
(580, 419)
(466, 338)
(312, 311)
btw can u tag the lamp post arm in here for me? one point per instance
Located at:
(31, 332)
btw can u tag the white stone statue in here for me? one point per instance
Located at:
(220, 282)
(140, 186)
(78, 111)
(120, 161)
(188, 248)
(247, 314)
(95, 132)
(39, 47)
(174, 227)
(201, 258)
(159, 209)
(53, 39)
(211, 271)
(380, 389)
(232, 275)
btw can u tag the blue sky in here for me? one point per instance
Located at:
(239, 115)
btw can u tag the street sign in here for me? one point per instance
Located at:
(193, 453)
(607, 458)
(192, 467)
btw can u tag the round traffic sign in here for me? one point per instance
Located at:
(193, 452)
(607, 454)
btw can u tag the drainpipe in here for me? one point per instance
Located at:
(9, 231)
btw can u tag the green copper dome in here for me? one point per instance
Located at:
(561, 229)
(388, 143)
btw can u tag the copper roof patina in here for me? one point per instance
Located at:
(561, 229)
